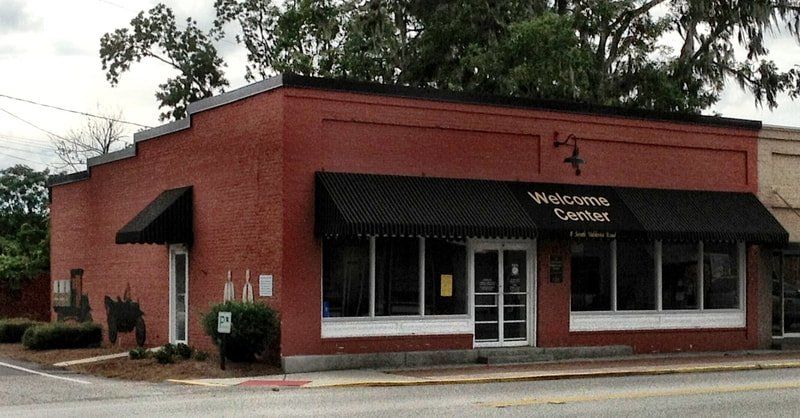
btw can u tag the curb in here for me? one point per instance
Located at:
(536, 377)
(574, 375)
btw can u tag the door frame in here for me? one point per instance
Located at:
(174, 250)
(531, 285)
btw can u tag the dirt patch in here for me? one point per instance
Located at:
(150, 370)
(147, 369)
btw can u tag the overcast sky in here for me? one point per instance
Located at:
(49, 54)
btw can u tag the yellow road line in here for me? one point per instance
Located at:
(644, 394)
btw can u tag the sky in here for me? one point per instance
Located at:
(49, 54)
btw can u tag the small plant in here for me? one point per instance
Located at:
(62, 335)
(164, 356)
(11, 330)
(200, 356)
(168, 348)
(138, 353)
(254, 329)
(184, 350)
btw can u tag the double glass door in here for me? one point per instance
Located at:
(502, 295)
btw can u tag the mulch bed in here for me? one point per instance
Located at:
(145, 370)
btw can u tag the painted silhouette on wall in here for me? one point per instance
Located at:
(69, 301)
(124, 315)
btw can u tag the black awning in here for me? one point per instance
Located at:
(367, 204)
(166, 220)
(703, 215)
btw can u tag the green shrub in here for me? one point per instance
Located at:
(63, 335)
(164, 356)
(254, 329)
(168, 348)
(138, 353)
(12, 329)
(184, 350)
(200, 356)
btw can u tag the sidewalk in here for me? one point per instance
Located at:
(619, 366)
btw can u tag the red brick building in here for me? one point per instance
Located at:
(390, 219)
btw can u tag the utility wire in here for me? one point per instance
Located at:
(73, 111)
(28, 151)
(26, 138)
(33, 125)
(22, 158)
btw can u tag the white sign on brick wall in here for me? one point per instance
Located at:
(265, 285)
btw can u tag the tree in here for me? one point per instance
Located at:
(671, 55)
(190, 51)
(24, 239)
(98, 136)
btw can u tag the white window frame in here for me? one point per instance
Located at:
(398, 325)
(174, 250)
(666, 319)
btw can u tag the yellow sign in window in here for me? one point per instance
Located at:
(446, 285)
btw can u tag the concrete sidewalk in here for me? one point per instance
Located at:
(618, 366)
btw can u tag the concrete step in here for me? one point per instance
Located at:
(538, 354)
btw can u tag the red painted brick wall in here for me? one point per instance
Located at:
(251, 159)
(231, 156)
(372, 134)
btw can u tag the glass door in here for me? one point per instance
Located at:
(178, 294)
(791, 294)
(501, 295)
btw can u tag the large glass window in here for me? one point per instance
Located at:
(680, 275)
(345, 277)
(396, 276)
(720, 276)
(391, 284)
(591, 275)
(636, 276)
(622, 276)
(445, 277)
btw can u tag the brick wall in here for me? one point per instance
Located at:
(231, 156)
(369, 134)
(251, 159)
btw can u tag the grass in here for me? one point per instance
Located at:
(144, 370)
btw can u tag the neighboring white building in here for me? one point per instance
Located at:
(779, 190)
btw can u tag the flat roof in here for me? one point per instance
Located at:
(394, 90)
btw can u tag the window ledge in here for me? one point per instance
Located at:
(393, 327)
(628, 321)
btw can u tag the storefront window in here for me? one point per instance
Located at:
(396, 276)
(680, 275)
(445, 277)
(591, 275)
(345, 277)
(720, 276)
(636, 280)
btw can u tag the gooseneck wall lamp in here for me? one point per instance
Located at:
(575, 159)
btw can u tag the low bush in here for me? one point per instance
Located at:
(138, 353)
(200, 356)
(168, 348)
(184, 350)
(254, 329)
(164, 356)
(11, 330)
(62, 335)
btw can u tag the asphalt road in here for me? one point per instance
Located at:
(749, 393)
